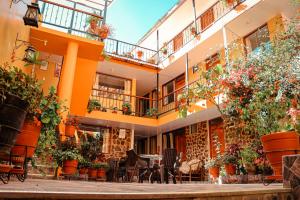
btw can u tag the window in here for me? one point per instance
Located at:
(168, 91)
(194, 128)
(212, 61)
(256, 39)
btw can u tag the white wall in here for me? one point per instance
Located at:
(176, 22)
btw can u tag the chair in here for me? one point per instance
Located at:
(170, 159)
(113, 169)
(136, 165)
(193, 169)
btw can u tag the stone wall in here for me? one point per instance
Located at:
(197, 144)
(118, 146)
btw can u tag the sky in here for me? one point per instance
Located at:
(131, 19)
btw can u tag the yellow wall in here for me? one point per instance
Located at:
(11, 23)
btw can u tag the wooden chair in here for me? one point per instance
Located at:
(169, 162)
(194, 169)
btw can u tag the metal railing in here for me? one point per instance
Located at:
(140, 106)
(130, 51)
(70, 17)
(203, 22)
(113, 102)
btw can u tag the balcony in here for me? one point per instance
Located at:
(204, 21)
(73, 20)
(112, 100)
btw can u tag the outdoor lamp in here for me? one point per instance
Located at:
(29, 54)
(32, 15)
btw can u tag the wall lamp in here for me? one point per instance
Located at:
(31, 17)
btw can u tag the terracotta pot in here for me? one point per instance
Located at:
(230, 169)
(70, 130)
(92, 173)
(214, 172)
(101, 173)
(230, 2)
(193, 31)
(250, 169)
(140, 54)
(103, 34)
(83, 171)
(280, 144)
(70, 166)
(28, 137)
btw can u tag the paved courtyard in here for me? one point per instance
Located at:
(57, 189)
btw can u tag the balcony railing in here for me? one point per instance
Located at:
(130, 51)
(203, 22)
(140, 106)
(70, 17)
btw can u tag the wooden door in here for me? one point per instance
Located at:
(179, 85)
(178, 41)
(207, 18)
(216, 128)
(180, 145)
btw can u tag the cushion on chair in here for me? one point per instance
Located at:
(194, 164)
(184, 168)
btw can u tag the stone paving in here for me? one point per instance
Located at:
(58, 189)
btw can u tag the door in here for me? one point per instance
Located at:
(207, 18)
(180, 143)
(216, 129)
(178, 41)
(179, 86)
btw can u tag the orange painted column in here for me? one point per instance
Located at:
(65, 86)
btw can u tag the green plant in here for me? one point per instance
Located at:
(93, 105)
(151, 112)
(100, 165)
(14, 81)
(66, 150)
(83, 163)
(164, 49)
(248, 156)
(33, 60)
(213, 162)
(92, 147)
(229, 159)
(126, 108)
(51, 108)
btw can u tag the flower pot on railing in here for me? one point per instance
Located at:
(12, 116)
(28, 137)
(277, 145)
(140, 54)
(104, 31)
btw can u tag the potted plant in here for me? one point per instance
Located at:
(93, 21)
(17, 92)
(71, 125)
(126, 108)
(69, 156)
(115, 110)
(128, 55)
(83, 166)
(43, 121)
(104, 31)
(140, 54)
(93, 105)
(151, 112)
(92, 171)
(164, 49)
(230, 162)
(248, 156)
(213, 165)
(101, 169)
(193, 31)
